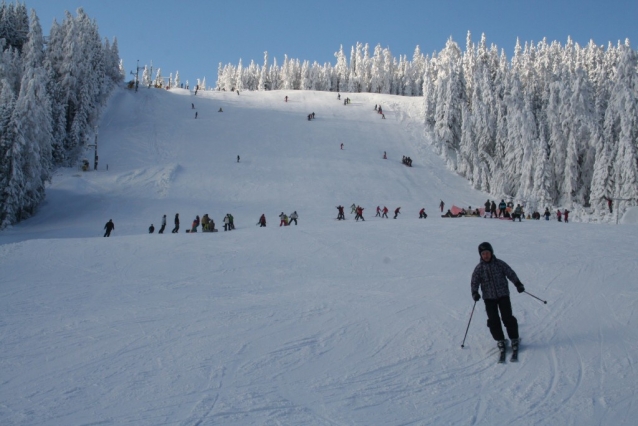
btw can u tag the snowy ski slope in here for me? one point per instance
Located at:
(325, 323)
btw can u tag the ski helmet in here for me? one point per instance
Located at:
(485, 246)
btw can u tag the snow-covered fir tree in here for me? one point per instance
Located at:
(50, 101)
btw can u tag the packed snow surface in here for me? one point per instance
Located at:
(323, 323)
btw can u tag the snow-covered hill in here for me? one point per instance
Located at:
(327, 322)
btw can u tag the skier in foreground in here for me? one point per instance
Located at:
(491, 274)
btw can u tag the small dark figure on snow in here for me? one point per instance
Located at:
(502, 208)
(359, 214)
(566, 214)
(559, 215)
(151, 229)
(518, 212)
(493, 209)
(262, 221)
(375, 107)
(487, 207)
(195, 224)
(220, 109)
(161, 231)
(238, 158)
(491, 275)
(286, 98)
(422, 214)
(195, 114)
(176, 229)
(378, 212)
(293, 216)
(341, 146)
(385, 157)
(441, 205)
(109, 227)
(385, 212)
(283, 219)
(338, 96)
(192, 106)
(397, 212)
(340, 215)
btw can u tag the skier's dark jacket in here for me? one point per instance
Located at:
(492, 277)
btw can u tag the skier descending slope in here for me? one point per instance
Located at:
(491, 274)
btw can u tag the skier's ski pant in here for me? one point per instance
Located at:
(502, 304)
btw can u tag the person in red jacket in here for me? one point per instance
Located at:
(422, 214)
(385, 212)
(558, 215)
(359, 214)
(397, 212)
(566, 214)
(378, 212)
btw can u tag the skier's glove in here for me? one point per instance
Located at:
(476, 296)
(520, 287)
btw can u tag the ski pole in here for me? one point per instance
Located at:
(468, 325)
(544, 301)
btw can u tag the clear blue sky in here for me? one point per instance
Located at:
(193, 36)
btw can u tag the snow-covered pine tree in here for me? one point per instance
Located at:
(450, 96)
(147, 80)
(263, 75)
(12, 184)
(624, 103)
(31, 128)
(177, 81)
(239, 77)
(376, 70)
(341, 71)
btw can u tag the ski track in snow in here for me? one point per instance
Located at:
(325, 323)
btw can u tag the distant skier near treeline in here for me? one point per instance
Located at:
(161, 231)
(293, 216)
(176, 229)
(109, 227)
(491, 275)
(487, 208)
(502, 208)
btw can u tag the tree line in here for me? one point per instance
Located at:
(51, 93)
(555, 125)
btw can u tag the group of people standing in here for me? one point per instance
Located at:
(407, 161)
(284, 219)
(207, 223)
